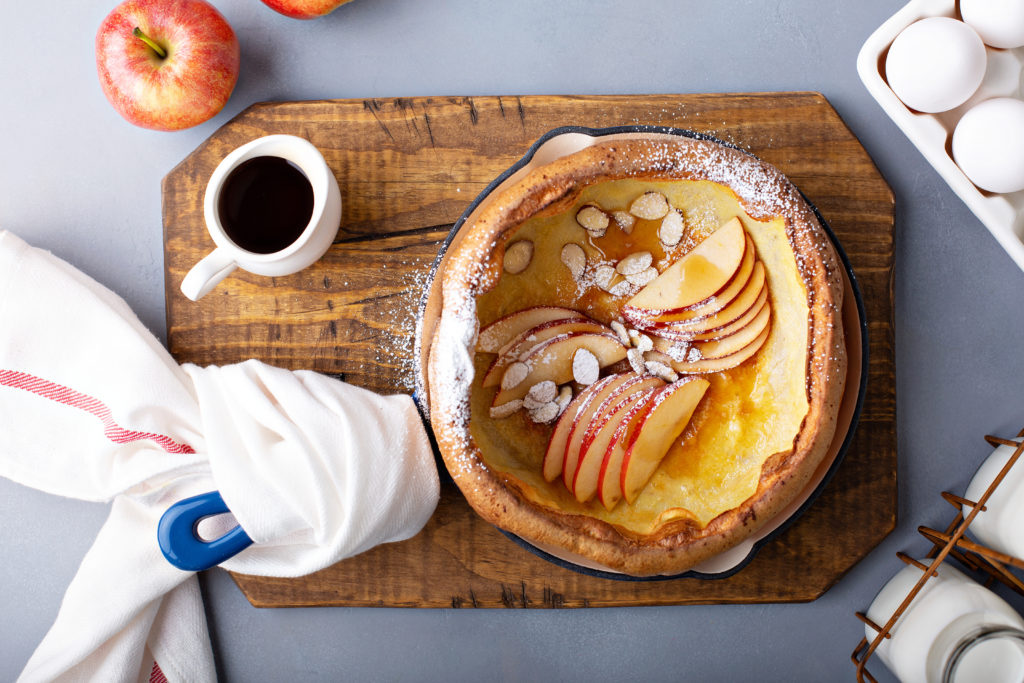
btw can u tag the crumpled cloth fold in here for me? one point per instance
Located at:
(93, 407)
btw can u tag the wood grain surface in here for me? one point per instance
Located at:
(407, 169)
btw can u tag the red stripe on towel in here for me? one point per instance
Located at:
(156, 675)
(74, 399)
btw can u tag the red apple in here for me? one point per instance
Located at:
(166, 64)
(304, 9)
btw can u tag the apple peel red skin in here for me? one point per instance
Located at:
(187, 87)
(304, 9)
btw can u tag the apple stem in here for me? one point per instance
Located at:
(149, 41)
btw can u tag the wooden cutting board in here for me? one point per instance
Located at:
(407, 169)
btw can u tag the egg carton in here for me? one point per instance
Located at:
(1002, 214)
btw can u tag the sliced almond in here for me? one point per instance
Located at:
(564, 398)
(518, 256)
(603, 275)
(585, 367)
(671, 230)
(625, 220)
(621, 287)
(514, 375)
(635, 263)
(546, 413)
(677, 351)
(592, 219)
(650, 206)
(543, 392)
(641, 341)
(506, 409)
(530, 404)
(661, 371)
(644, 278)
(636, 361)
(658, 356)
(621, 332)
(575, 259)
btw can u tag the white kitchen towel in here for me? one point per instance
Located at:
(93, 407)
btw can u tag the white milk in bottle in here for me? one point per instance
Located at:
(955, 630)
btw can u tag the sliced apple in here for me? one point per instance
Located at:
(494, 336)
(740, 322)
(704, 270)
(611, 402)
(664, 419)
(554, 456)
(706, 365)
(664, 345)
(727, 346)
(588, 471)
(685, 331)
(552, 360)
(519, 346)
(709, 306)
(609, 489)
(550, 329)
(586, 414)
(722, 297)
(599, 419)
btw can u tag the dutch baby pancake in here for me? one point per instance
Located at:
(638, 356)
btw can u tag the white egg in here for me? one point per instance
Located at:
(935, 64)
(988, 144)
(1000, 23)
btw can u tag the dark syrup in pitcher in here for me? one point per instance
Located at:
(265, 203)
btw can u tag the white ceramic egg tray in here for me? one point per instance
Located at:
(1002, 214)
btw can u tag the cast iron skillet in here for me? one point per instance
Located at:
(861, 315)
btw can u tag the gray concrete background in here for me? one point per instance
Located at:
(78, 180)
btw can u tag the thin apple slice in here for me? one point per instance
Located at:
(656, 430)
(665, 345)
(727, 346)
(704, 270)
(552, 360)
(611, 402)
(554, 456)
(599, 419)
(706, 365)
(494, 336)
(549, 329)
(585, 416)
(740, 322)
(720, 299)
(588, 473)
(712, 304)
(741, 304)
(609, 489)
(520, 346)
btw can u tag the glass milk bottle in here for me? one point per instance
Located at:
(1001, 525)
(954, 631)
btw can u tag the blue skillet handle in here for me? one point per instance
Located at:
(179, 539)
